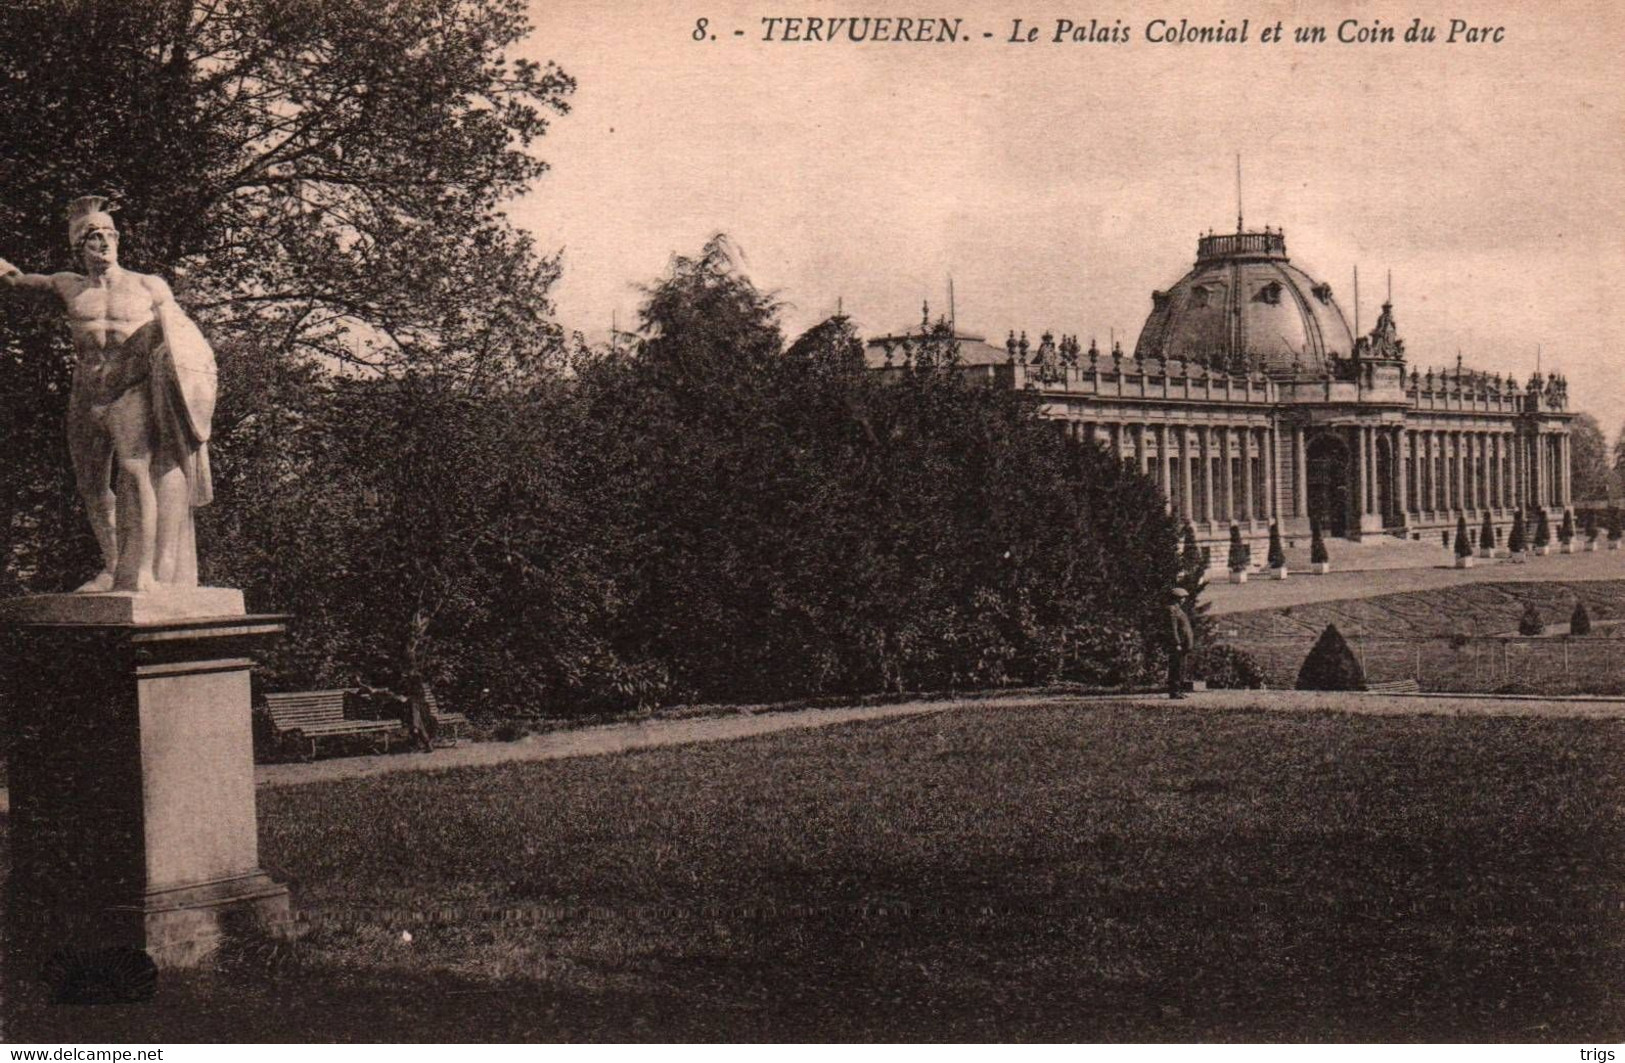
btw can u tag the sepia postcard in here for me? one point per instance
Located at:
(756, 521)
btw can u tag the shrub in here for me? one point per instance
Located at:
(1615, 524)
(1543, 530)
(509, 730)
(1277, 553)
(1317, 544)
(1331, 664)
(1565, 531)
(1486, 533)
(1238, 550)
(1225, 667)
(1530, 623)
(1580, 620)
(1444, 538)
(1464, 546)
(1517, 540)
(1590, 525)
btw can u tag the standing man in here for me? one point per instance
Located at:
(1182, 640)
(138, 418)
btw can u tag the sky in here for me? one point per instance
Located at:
(1059, 184)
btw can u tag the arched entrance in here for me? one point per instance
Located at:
(1387, 504)
(1328, 485)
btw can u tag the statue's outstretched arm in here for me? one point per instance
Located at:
(13, 277)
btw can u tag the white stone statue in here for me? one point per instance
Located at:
(138, 420)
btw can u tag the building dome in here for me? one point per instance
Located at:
(1245, 306)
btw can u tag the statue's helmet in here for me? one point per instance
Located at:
(88, 214)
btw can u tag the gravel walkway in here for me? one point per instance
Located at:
(620, 738)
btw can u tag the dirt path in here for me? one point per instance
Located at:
(615, 738)
(620, 738)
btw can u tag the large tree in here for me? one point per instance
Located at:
(1618, 463)
(322, 182)
(1589, 465)
(301, 165)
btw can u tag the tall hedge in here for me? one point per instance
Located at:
(698, 513)
(797, 524)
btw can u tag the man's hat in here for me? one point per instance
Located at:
(1179, 592)
(87, 213)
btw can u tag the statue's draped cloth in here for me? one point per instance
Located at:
(183, 392)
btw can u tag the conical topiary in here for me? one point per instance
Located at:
(1543, 530)
(1589, 525)
(1530, 623)
(1277, 552)
(1238, 552)
(1616, 524)
(1486, 533)
(1317, 545)
(1464, 546)
(1517, 540)
(1331, 664)
(1580, 620)
(1565, 531)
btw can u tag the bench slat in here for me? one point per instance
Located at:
(344, 727)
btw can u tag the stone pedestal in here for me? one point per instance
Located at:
(130, 755)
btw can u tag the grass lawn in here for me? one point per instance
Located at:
(1091, 872)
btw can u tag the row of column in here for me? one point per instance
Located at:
(1230, 472)
(1476, 469)
(1207, 473)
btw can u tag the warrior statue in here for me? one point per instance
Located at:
(138, 418)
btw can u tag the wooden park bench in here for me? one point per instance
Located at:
(444, 722)
(312, 715)
(1396, 686)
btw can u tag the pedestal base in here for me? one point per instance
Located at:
(130, 754)
(124, 607)
(182, 927)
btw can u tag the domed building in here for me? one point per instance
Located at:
(1245, 307)
(1250, 400)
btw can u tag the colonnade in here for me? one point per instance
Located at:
(1233, 471)
(1216, 472)
(1447, 471)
